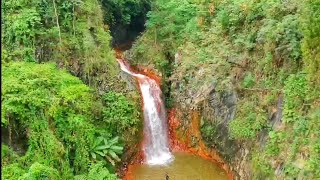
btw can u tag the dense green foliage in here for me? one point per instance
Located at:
(57, 127)
(126, 19)
(266, 51)
(97, 171)
(123, 11)
(311, 44)
(70, 33)
(61, 119)
(119, 114)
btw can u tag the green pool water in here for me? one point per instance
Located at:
(184, 167)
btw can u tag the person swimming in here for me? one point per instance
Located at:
(167, 176)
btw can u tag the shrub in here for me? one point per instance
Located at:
(119, 114)
(39, 171)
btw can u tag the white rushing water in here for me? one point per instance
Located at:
(156, 146)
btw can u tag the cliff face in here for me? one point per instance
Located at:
(245, 68)
(216, 109)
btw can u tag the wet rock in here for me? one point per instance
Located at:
(274, 120)
(276, 116)
(130, 81)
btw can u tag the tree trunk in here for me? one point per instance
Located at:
(73, 20)
(57, 19)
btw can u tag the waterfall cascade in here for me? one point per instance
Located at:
(156, 146)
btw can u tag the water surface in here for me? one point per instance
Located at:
(183, 167)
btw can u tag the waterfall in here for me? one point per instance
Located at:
(156, 146)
